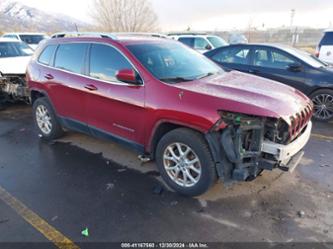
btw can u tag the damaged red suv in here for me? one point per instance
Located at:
(171, 104)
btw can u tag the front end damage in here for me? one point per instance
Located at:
(243, 145)
(13, 88)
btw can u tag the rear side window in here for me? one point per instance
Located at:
(46, 55)
(187, 41)
(105, 61)
(327, 39)
(70, 57)
(233, 55)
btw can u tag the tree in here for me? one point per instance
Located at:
(125, 15)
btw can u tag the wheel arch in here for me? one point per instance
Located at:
(162, 128)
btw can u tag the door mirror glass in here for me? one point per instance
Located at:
(208, 47)
(127, 76)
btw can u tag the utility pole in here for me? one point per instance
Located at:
(293, 31)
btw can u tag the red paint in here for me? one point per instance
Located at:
(134, 112)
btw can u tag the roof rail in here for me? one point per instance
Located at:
(187, 33)
(84, 34)
(105, 35)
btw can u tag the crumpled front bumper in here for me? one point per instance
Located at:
(284, 153)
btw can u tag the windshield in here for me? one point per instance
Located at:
(13, 49)
(217, 41)
(32, 39)
(306, 57)
(173, 62)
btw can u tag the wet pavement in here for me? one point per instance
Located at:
(80, 182)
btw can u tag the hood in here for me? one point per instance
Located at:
(14, 65)
(248, 94)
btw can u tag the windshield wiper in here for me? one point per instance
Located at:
(204, 75)
(176, 79)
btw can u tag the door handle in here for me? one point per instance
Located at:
(48, 76)
(91, 87)
(254, 71)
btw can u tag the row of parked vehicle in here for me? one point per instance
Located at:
(172, 104)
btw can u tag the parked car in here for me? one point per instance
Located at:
(32, 39)
(14, 58)
(199, 42)
(171, 104)
(325, 47)
(284, 64)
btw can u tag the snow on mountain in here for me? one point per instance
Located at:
(15, 16)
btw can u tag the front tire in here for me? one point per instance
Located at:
(185, 162)
(46, 121)
(323, 105)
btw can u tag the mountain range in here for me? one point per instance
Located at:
(15, 16)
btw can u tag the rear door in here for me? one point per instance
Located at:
(274, 64)
(66, 83)
(326, 48)
(233, 58)
(115, 109)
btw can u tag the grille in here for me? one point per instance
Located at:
(299, 122)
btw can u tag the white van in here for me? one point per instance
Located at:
(325, 47)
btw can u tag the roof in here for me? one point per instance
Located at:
(8, 40)
(23, 33)
(328, 30)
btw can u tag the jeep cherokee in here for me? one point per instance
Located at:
(171, 104)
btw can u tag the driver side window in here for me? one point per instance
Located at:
(200, 43)
(105, 61)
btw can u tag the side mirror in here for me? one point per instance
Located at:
(295, 67)
(208, 47)
(127, 76)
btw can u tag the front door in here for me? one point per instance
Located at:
(115, 109)
(274, 64)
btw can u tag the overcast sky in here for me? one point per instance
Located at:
(215, 14)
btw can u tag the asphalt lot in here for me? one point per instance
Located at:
(80, 182)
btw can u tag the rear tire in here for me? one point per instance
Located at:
(185, 162)
(46, 120)
(323, 105)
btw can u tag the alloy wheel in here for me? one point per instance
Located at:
(323, 106)
(43, 119)
(182, 164)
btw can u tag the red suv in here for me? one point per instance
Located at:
(171, 104)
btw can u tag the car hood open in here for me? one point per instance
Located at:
(248, 94)
(14, 65)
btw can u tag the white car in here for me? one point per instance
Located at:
(325, 47)
(14, 58)
(32, 39)
(200, 42)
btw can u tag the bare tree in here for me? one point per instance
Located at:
(124, 15)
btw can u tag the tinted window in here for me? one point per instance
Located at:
(105, 61)
(272, 59)
(11, 36)
(200, 43)
(13, 49)
(70, 57)
(32, 39)
(327, 39)
(235, 55)
(187, 41)
(47, 54)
